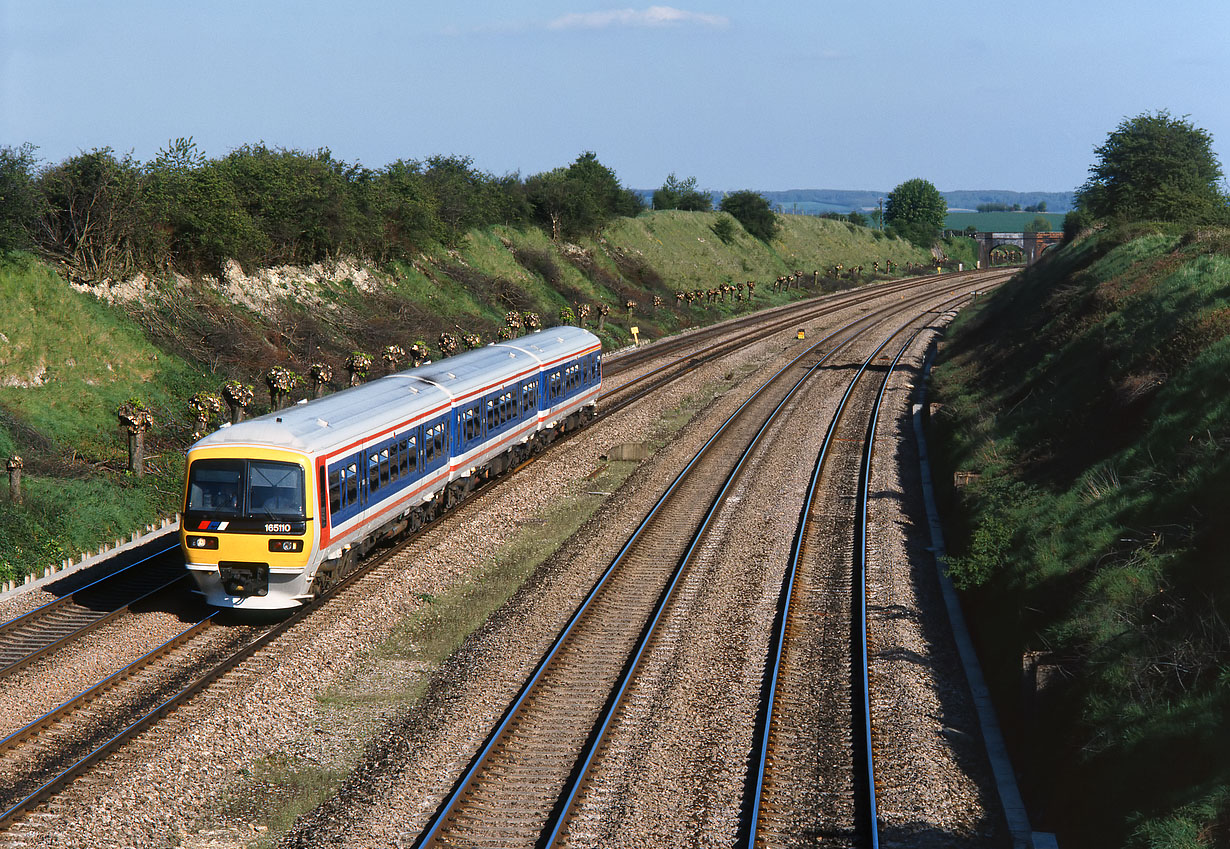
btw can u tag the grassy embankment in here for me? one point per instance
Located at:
(1092, 396)
(68, 360)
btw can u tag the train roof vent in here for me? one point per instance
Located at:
(452, 376)
(512, 355)
(322, 423)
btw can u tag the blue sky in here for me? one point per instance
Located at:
(858, 94)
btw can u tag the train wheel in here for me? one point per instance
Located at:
(325, 577)
(347, 563)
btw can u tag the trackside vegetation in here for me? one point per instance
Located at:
(1087, 405)
(72, 351)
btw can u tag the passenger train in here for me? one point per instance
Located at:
(278, 508)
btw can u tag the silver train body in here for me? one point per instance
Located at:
(280, 507)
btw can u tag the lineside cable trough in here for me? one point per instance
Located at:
(1023, 836)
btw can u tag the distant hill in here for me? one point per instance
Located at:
(820, 201)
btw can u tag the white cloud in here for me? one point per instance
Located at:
(654, 16)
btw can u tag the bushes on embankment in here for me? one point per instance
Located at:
(1090, 401)
(70, 356)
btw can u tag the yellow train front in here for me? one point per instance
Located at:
(248, 529)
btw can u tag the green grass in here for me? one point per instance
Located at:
(1000, 222)
(276, 791)
(688, 254)
(67, 361)
(1093, 397)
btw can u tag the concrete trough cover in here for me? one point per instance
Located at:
(628, 451)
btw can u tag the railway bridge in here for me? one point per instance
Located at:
(1031, 244)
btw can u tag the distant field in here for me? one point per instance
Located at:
(999, 222)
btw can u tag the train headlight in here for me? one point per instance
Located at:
(286, 545)
(202, 542)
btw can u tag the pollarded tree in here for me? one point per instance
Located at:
(916, 210)
(1155, 167)
(753, 212)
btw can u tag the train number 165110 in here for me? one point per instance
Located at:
(277, 527)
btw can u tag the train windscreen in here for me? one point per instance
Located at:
(256, 488)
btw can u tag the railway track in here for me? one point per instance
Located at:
(166, 695)
(520, 789)
(45, 629)
(814, 777)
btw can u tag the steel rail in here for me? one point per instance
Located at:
(430, 834)
(42, 627)
(591, 751)
(873, 824)
(778, 639)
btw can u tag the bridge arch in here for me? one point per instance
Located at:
(1031, 244)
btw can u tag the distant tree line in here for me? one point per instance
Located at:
(852, 217)
(107, 215)
(1040, 206)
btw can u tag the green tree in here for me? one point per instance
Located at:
(302, 203)
(916, 210)
(467, 198)
(580, 198)
(193, 217)
(1039, 225)
(608, 197)
(400, 210)
(724, 228)
(752, 210)
(561, 204)
(92, 213)
(1155, 167)
(682, 194)
(20, 200)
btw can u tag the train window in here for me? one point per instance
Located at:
(492, 421)
(529, 397)
(471, 426)
(335, 492)
(275, 489)
(409, 454)
(216, 486)
(555, 386)
(433, 443)
(394, 452)
(352, 483)
(373, 472)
